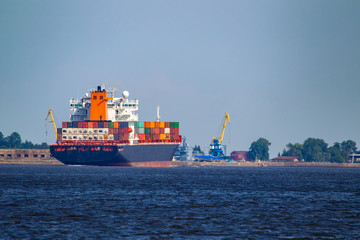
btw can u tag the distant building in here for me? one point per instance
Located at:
(240, 156)
(285, 159)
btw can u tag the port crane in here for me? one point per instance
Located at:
(52, 121)
(215, 145)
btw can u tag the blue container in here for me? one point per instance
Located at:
(75, 124)
(116, 137)
(126, 124)
(101, 124)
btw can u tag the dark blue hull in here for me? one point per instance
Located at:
(147, 155)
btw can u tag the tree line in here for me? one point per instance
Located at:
(14, 141)
(312, 150)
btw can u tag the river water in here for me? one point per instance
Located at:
(73, 202)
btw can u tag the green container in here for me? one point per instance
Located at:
(147, 130)
(174, 125)
(111, 125)
(139, 124)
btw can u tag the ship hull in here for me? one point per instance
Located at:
(151, 155)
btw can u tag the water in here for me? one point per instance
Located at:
(62, 202)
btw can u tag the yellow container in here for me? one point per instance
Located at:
(152, 124)
(162, 124)
(116, 124)
(162, 136)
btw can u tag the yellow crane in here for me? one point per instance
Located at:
(224, 125)
(215, 146)
(52, 121)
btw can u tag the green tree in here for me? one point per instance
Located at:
(296, 150)
(259, 149)
(2, 140)
(27, 145)
(315, 150)
(336, 154)
(348, 146)
(14, 140)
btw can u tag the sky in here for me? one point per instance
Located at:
(283, 70)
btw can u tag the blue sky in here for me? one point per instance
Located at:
(283, 70)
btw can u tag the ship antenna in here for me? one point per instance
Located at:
(158, 114)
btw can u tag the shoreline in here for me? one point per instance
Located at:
(43, 157)
(262, 164)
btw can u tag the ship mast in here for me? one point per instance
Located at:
(158, 114)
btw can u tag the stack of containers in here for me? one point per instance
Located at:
(94, 131)
(157, 131)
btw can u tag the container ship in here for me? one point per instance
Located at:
(106, 131)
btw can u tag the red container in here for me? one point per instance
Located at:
(85, 124)
(157, 136)
(64, 124)
(106, 124)
(167, 124)
(162, 130)
(157, 130)
(95, 125)
(112, 131)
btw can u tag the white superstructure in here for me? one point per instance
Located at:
(118, 109)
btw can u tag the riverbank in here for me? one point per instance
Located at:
(43, 157)
(262, 164)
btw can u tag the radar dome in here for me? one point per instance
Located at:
(125, 94)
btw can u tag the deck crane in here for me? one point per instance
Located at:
(215, 145)
(52, 121)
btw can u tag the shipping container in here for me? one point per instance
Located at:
(111, 125)
(114, 124)
(106, 124)
(166, 130)
(162, 136)
(101, 124)
(59, 137)
(167, 124)
(59, 130)
(116, 137)
(64, 124)
(95, 124)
